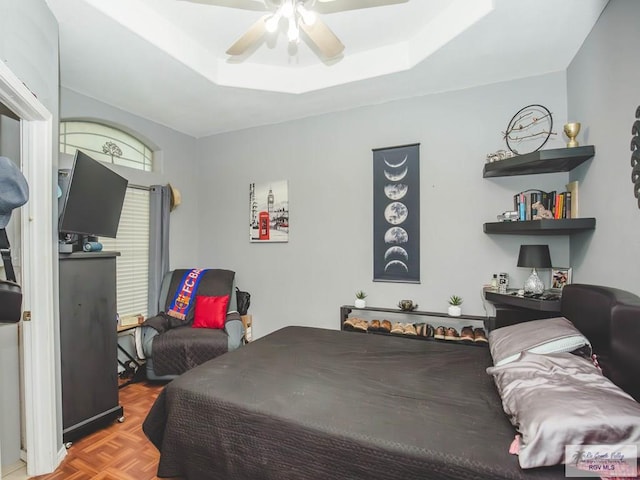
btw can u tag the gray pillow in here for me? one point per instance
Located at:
(550, 335)
(562, 399)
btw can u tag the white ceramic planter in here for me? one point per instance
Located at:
(455, 310)
(360, 303)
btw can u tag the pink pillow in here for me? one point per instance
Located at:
(211, 312)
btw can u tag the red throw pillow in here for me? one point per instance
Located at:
(211, 312)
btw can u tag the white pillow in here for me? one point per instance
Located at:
(561, 399)
(550, 335)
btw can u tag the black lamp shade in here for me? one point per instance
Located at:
(534, 256)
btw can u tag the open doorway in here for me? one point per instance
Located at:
(11, 411)
(42, 440)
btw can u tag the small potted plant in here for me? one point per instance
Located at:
(454, 306)
(360, 296)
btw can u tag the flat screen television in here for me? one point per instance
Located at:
(92, 199)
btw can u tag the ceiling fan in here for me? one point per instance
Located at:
(297, 15)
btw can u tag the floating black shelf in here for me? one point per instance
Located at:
(562, 226)
(542, 161)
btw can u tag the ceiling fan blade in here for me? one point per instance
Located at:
(251, 36)
(333, 6)
(324, 39)
(257, 5)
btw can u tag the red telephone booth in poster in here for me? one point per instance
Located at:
(263, 226)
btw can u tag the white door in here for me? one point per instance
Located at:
(38, 248)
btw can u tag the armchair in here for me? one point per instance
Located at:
(172, 346)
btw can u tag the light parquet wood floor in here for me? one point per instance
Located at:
(121, 451)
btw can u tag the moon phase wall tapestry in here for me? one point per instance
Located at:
(396, 214)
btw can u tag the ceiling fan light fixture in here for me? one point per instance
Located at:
(293, 34)
(299, 15)
(287, 9)
(308, 17)
(271, 24)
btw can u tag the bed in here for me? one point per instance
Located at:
(305, 403)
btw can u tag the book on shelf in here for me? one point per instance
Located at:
(572, 188)
(567, 205)
(548, 200)
(563, 205)
(560, 204)
(523, 202)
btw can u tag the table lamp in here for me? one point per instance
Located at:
(534, 256)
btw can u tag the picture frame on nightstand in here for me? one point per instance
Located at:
(560, 276)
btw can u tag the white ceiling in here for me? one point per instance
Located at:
(165, 60)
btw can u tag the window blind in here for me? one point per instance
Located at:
(132, 266)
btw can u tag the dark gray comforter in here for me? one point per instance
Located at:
(312, 404)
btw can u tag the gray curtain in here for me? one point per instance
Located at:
(159, 208)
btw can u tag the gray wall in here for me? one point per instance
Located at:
(29, 47)
(327, 160)
(176, 163)
(328, 163)
(603, 93)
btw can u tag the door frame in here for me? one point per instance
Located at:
(39, 250)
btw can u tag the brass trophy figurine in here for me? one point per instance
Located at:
(572, 130)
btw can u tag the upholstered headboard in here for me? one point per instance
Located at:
(610, 319)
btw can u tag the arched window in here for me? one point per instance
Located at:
(106, 144)
(110, 145)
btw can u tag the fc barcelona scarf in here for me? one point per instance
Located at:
(185, 293)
